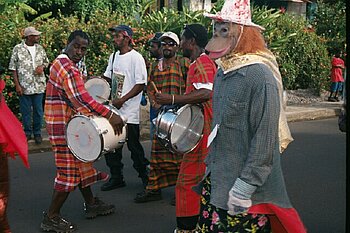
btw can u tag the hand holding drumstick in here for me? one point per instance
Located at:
(154, 104)
(162, 98)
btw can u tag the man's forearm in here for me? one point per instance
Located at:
(133, 92)
(15, 77)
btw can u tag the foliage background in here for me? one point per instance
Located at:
(300, 50)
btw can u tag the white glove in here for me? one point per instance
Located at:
(236, 205)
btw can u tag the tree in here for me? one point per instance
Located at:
(330, 21)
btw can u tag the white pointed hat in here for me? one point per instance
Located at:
(235, 11)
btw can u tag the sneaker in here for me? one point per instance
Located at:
(56, 224)
(38, 139)
(98, 208)
(331, 99)
(147, 196)
(113, 184)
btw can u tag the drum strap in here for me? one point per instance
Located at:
(112, 64)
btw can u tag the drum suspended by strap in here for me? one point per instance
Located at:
(90, 137)
(180, 129)
(98, 88)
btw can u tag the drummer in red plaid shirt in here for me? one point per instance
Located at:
(65, 96)
(199, 84)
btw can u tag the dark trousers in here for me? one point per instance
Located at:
(114, 159)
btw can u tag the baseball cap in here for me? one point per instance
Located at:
(172, 36)
(123, 28)
(31, 31)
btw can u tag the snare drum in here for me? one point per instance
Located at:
(89, 137)
(98, 87)
(180, 129)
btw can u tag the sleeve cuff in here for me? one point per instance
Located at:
(243, 190)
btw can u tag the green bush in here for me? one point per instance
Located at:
(303, 58)
(301, 54)
(330, 23)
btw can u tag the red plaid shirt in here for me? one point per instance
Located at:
(66, 95)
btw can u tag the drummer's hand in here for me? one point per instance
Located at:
(117, 123)
(155, 105)
(118, 103)
(163, 98)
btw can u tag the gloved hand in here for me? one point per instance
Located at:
(236, 205)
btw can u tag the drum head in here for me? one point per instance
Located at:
(83, 139)
(98, 87)
(187, 129)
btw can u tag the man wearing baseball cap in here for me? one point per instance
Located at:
(168, 75)
(126, 70)
(27, 63)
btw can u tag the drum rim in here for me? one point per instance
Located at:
(71, 149)
(178, 112)
(98, 78)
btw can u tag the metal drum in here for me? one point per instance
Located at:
(180, 129)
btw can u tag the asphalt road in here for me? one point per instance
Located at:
(314, 168)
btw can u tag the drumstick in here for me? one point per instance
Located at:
(102, 98)
(154, 86)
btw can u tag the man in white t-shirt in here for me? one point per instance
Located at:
(127, 69)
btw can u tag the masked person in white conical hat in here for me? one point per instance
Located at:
(243, 189)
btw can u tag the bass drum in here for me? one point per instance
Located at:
(180, 129)
(89, 137)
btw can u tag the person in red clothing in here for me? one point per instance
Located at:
(199, 85)
(66, 96)
(336, 76)
(12, 140)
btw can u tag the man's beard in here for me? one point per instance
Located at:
(168, 54)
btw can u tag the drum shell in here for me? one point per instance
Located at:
(103, 138)
(166, 121)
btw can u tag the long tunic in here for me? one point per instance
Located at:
(65, 93)
(192, 168)
(164, 164)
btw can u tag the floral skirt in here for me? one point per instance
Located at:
(214, 219)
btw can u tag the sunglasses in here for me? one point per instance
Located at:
(186, 27)
(170, 43)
